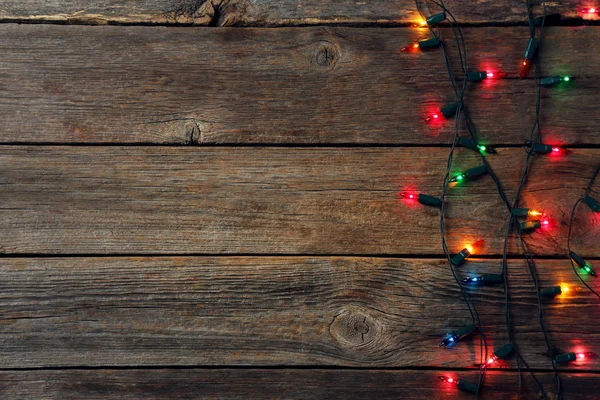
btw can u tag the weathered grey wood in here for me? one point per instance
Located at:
(276, 384)
(132, 200)
(269, 12)
(75, 84)
(367, 312)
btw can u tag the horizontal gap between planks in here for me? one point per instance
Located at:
(591, 146)
(300, 24)
(272, 255)
(285, 367)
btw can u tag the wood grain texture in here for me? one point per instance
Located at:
(275, 384)
(272, 13)
(76, 84)
(139, 200)
(276, 311)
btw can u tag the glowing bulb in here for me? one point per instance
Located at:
(491, 360)
(450, 380)
(490, 74)
(525, 62)
(580, 355)
(435, 116)
(482, 148)
(556, 150)
(566, 79)
(545, 222)
(459, 178)
(534, 213)
(469, 249)
(422, 22)
(592, 10)
(564, 288)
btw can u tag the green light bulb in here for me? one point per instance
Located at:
(566, 79)
(459, 178)
(481, 147)
(587, 269)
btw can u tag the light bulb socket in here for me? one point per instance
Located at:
(466, 386)
(550, 81)
(504, 351)
(428, 200)
(449, 111)
(429, 43)
(565, 358)
(551, 291)
(578, 260)
(531, 49)
(476, 76)
(540, 148)
(530, 225)
(592, 203)
(519, 212)
(475, 172)
(436, 19)
(459, 259)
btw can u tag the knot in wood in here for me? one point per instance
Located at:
(355, 328)
(325, 54)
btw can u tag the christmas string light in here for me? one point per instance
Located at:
(576, 260)
(581, 263)
(554, 291)
(483, 280)
(478, 76)
(555, 80)
(470, 174)
(458, 336)
(424, 44)
(502, 353)
(459, 259)
(424, 199)
(471, 144)
(526, 212)
(460, 384)
(460, 94)
(528, 56)
(570, 357)
(447, 111)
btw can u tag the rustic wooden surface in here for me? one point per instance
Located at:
(273, 311)
(273, 13)
(76, 84)
(269, 383)
(191, 212)
(186, 200)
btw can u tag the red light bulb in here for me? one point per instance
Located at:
(588, 10)
(496, 75)
(409, 195)
(412, 47)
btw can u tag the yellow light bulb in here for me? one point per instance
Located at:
(564, 288)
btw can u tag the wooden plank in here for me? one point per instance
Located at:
(273, 311)
(276, 384)
(75, 84)
(271, 13)
(139, 200)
